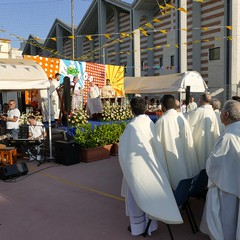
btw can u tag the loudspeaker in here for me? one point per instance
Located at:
(66, 94)
(187, 94)
(11, 171)
(67, 153)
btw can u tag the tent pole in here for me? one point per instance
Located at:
(50, 124)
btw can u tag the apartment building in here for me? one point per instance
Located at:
(152, 38)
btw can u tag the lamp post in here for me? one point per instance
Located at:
(73, 35)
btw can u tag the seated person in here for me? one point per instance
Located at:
(107, 90)
(37, 131)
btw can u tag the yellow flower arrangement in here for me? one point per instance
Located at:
(78, 117)
(114, 112)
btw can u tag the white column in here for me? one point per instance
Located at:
(137, 54)
(235, 68)
(183, 37)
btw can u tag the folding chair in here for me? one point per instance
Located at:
(182, 195)
(199, 185)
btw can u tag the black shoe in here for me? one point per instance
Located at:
(129, 229)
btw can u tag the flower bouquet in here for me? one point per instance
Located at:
(114, 112)
(78, 117)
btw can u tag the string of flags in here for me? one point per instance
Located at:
(145, 29)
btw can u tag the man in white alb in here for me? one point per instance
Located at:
(205, 129)
(221, 217)
(55, 98)
(176, 138)
(107, 90)
(146, 188)
(94, 103)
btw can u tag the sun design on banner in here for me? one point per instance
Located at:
(116, 76)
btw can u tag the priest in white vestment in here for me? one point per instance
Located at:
(216, 104)
(205, 129)
(146, 188)
(221, 217)
(55, 98)
(175, 135)
(94, 103)
(191, 105)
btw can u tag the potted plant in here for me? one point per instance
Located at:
(116, 132)
(94, 142)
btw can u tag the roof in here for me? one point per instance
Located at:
(21, 74)
(171, 83)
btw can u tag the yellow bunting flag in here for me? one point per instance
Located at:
(170, 6)
(184, 29)
(150, 49)
(36, 38)
(123, 34)
(149, 25)
(201, 1)
(229, 27)
(163, 31)
(89, 37)
(143, 31)
(107, 36)
(229, 38)
(182, 10)
(204, 28)
(156, 20)
(54, 39)
(162, 7)
(176, 45)
(70, 36)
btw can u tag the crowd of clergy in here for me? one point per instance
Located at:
(154, 158)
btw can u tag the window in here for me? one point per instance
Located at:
(143, 65)
(161, 61)
(172, 61)
(214, 53)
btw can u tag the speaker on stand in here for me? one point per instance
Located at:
(66, 93)
(187, 95)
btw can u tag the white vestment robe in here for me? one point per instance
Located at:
(205, 131)
(176, 138)
(220, 124)
(221, 217)
(142, 162)
(55, 98)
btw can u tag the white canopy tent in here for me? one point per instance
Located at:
(173, 83)
(20, 75)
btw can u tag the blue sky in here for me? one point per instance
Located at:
(24, 17)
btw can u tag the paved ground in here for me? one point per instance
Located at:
(77, 202)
